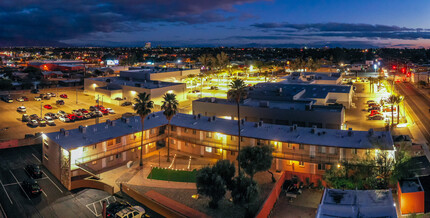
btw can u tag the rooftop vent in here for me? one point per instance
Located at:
(82, 129)
(199, 116)
(260, 123)
(371, 132)
(242, 121)
(62, 131)
(294, 126)
(212, 99)
(350, 132)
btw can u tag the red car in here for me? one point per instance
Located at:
(99, 107)
(83, 110)
(47, 106)
(374, 112)
(104, 111)
(63, 96)
(78, 116)
(71, 117)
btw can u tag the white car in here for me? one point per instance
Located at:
(21, 109)
(110, 110)
(64, 119)
(49, 121)
(131, 212)
(33, 123)
(37, 98)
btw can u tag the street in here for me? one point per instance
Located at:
(419, 104)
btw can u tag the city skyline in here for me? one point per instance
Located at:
(240, 23)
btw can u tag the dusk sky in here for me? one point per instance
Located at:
(248, 23)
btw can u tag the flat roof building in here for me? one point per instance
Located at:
(70, 154)
(357, 203)
(312, 78)
(302, 113)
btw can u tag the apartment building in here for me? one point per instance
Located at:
(71, 154)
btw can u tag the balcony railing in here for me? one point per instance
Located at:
(207, 143)
(117, 150)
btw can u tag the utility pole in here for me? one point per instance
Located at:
(41, 108)
(76, 96)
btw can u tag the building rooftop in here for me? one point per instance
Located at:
(296, 91)
(287, 105)
(308, 77)
(357, 203)
(303, 135)
(148, 84)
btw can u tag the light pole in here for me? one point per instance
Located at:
(41, 108)
(76, 96)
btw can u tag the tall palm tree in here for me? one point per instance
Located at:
(143, 107)
(399, 100)
(170, 107)
(237, 93)
(395, 100)
(205, 60)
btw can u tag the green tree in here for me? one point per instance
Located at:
(170, 107)
(259, 65)
(253, 159)
(221, 61)
(226, 170)
(209, 183)
(143, 106)
(5, 84)
(395, 100)
(237, 93)
(244, 193)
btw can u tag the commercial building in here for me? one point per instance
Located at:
(129, 84)
(301, 113)
(70, 154)
(313, 78)
(319, 93)
(161, 74)
(357, 203)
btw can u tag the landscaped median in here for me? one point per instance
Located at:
(172, 175)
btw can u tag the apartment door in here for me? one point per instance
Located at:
(124, 156)
(103, 162)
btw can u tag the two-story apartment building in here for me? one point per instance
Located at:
(70, 154)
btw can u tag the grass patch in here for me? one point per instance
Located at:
(172, 175)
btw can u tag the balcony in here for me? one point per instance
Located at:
(114, 151)
(208, 143)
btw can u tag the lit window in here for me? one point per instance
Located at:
(208, 149)
(46, 144)
(152, 131)
(301, 146)
(194, 131)
(354, 151)
(208, 135)
(185, 130)
(301, 163)
(46, 157)
(94, 146)
(321, 166)
(94, 162)
(118, 140)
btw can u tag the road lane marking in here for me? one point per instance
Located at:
(36, 158)
(19, 185)
(6, 192)
(52, 181)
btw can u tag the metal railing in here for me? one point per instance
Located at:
(117, 150)
(207, 143)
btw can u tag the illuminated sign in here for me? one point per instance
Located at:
(112, 62)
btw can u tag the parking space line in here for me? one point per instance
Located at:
(10, 184)
(19, 185)
(36, 158)
(6, 192)
(52, 181)
(2, 211)
(44, 193)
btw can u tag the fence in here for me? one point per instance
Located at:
(270, 201)
(19, 142)
(88, 183)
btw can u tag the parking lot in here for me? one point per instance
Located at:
(11, 126)
(55, 200)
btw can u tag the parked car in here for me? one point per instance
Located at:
(49, 120)
(118, 99)
(47, 106)
(71, 117)
(110, 110)
(60, 102)
(63, 118)
(377, 117)
(21, 109)
(131, 212)
(373, 108)
(388, 109)
(34, 117)
(115, 207)
(52, 115)
(78, 116)
(83, 110)
(92, 108)
(34, 171)
(7, 99)
(99, 107)
(25, 118)
(96, 114)
(31, 187)
(62, 113)
(46, 97)
(195, 91)
(42, 122)
(104, 111)
(37, 98)
(127, 103)
(374, 112)
(87, 115)
(214, 87)
(33, 123)
(22, 98)
(370, 101)
(35, 91)
(63, 96)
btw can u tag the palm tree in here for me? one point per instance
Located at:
(143, 107)
(399, 100)
(222, 60)
(237, 93)
(205, 60)
(395, 100)
(170, 107)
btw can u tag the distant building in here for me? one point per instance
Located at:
(313, 78)
(129, 84)
(357, 203)
(52, 74)
(58, 65)
(148, 45)
(418, 76)
(301, 113)
(161, 74)
(300, 151)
